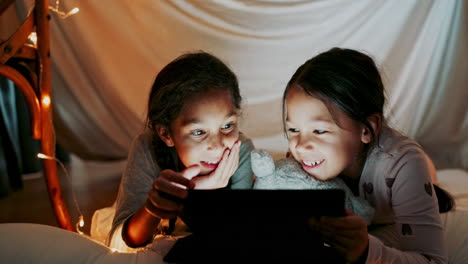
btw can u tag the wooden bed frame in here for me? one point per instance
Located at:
(36, 87)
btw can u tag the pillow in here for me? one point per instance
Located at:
(455, 224)
(34, 243)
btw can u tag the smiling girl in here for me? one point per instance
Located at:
(192, 140)
(333, 113)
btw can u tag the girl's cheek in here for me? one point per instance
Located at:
(292, 144)
(232, 138)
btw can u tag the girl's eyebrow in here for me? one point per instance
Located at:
(323, 120)
(320, 119)
(191, 121)
(233, 113)
(195, 120)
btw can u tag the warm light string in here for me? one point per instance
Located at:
(62, 14)
(80, 222)
(33, 36)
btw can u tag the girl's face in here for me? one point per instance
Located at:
(323, 148)
(204, 129)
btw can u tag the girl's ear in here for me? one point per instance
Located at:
(375, 121)
(164, 135)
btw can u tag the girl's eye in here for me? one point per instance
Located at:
(228, 127)
(319, 131)
(197, 133)
(293, 130)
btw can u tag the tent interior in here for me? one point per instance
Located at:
(105, 57)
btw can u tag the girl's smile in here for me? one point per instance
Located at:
(210, 165)
(312, 164)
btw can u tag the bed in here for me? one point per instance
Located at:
(34, 243)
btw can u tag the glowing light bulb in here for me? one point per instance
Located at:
(33, 38)
(46, 100)
(81, 221)
(73, 11)
(79, 224)
(44, 156)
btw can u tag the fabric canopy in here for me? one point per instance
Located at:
(106, 57)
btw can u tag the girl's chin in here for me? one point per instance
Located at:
(319, 177)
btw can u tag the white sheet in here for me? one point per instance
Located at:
(456, 182)
(105, 59)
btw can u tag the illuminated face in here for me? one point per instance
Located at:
(206, 126)
(323, 148)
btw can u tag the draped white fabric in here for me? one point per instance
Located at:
(106, 57)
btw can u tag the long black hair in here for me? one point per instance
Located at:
(349, 80)
(188, 75)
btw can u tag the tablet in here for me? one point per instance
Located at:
(254, 224)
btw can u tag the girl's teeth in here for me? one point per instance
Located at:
(313, 163)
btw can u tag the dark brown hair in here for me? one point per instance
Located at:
(349, 80)
(344, 78)
(188, 75)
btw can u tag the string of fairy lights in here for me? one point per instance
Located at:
(60, 13)
(80, 222)
(33, 38)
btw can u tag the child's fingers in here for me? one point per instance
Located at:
(345, 222)
(352, 246)
(238, 143)
(233, 162)
(223, 164)
(220, 177)
(342, 243)
(216, 179)
(164, 202)
(229, 158)
(314, 224)
(191, 171)
(235, 150)
(348, 234)
(341, 236)
(177, 177)
(348, 212)
(166, 186)
(341, 250)
(159, 213)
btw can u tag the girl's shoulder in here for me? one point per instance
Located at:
(395, 144)
(142, 145)
(394, 151)
(144, 138)
(244, 138)
(397, 156)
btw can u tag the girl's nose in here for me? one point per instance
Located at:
(216, 142)
(304, 143)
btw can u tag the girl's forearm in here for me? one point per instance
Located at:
(140, 228)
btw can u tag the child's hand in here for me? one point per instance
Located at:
(226, 168)
(169, 189)
(347, 234)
